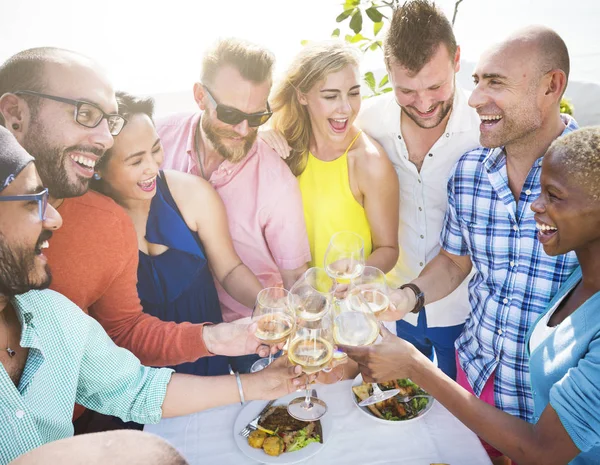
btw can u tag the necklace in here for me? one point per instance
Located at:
(196, 137)
(11, 353)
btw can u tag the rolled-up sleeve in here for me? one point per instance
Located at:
(576, 399)
(112, 381)
(451, 238)
(285, 229)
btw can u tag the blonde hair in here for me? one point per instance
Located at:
(252, 61)
(309, 67)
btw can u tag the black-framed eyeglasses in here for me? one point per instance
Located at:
(233, 116)
(87, 114)
(41, 198)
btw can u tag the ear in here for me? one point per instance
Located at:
(555, 83)
(457, 59)
(301, 98)
(199, 95)
(15, 112)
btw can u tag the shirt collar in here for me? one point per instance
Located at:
(23, 306)
(495, 157)
(227, 170)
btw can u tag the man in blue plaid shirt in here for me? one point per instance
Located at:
(489, 224)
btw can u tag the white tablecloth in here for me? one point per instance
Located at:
(207, 437)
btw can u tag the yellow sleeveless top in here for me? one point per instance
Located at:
(329, 205)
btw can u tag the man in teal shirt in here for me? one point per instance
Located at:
(54, 355)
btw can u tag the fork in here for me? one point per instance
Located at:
(409, 398)
(253, 425)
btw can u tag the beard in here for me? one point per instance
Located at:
(446, 107)
(18, 267)
(53, 163)
(216, 135)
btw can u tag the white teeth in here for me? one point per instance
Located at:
(545, 227)
(339, 120)
(147, 182)
(490, 117)
(84, 160)
(44, 245)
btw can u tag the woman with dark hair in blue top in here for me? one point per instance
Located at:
(182, 229)
(564, 343)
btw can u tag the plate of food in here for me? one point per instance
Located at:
(280, 438)
(393, 410)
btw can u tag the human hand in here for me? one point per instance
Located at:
(402, 301)
(236, 338)
(276, 141)
(278, 379)
(392, 358)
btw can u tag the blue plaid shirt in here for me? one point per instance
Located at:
(514, 278)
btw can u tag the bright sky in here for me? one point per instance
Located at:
(155, 46)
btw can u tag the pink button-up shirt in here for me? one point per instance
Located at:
(263, 203)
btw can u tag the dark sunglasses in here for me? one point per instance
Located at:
(41, 198)
(233, 116)
(87, 114)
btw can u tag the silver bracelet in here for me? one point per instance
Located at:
(240, 389)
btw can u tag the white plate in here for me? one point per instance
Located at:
(250, 411)
(358, 381)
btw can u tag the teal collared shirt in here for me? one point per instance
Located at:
(71, 359)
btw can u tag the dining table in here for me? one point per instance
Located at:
(437, 437)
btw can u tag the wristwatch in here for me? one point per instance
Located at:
(419, 294)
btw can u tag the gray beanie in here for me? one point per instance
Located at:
(13, 158)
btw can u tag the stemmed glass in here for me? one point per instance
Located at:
(310, 297)
(345, 256)
(373, 289)
(275, 321)
(311, 347)
(355, 325)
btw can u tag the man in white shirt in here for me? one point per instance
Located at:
(425, 125)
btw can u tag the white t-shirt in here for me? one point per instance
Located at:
(423, 195)
(542, 330)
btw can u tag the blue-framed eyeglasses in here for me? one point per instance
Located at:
(41, 198)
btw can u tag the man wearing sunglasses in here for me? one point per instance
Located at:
(62, 109)
(219, 144)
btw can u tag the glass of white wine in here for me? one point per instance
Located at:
(355, 325)
(311, 296)
(311, 347)
(373, 289)
(275, 321)
(345, 256)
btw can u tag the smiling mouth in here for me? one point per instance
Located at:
(545, 232)
(338, 124)
(40, 247)
(148, 185)
(84, 162)
(488, 121)
(428, 113)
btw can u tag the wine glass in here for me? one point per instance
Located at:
(275, 321)
(311, 296)
(311, 347)
(374, 290)
(345, 256)
(355, 325)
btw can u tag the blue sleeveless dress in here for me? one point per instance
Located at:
(177, 285)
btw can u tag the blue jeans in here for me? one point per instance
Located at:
(429, 340)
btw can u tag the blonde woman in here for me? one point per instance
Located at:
(346, 179)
